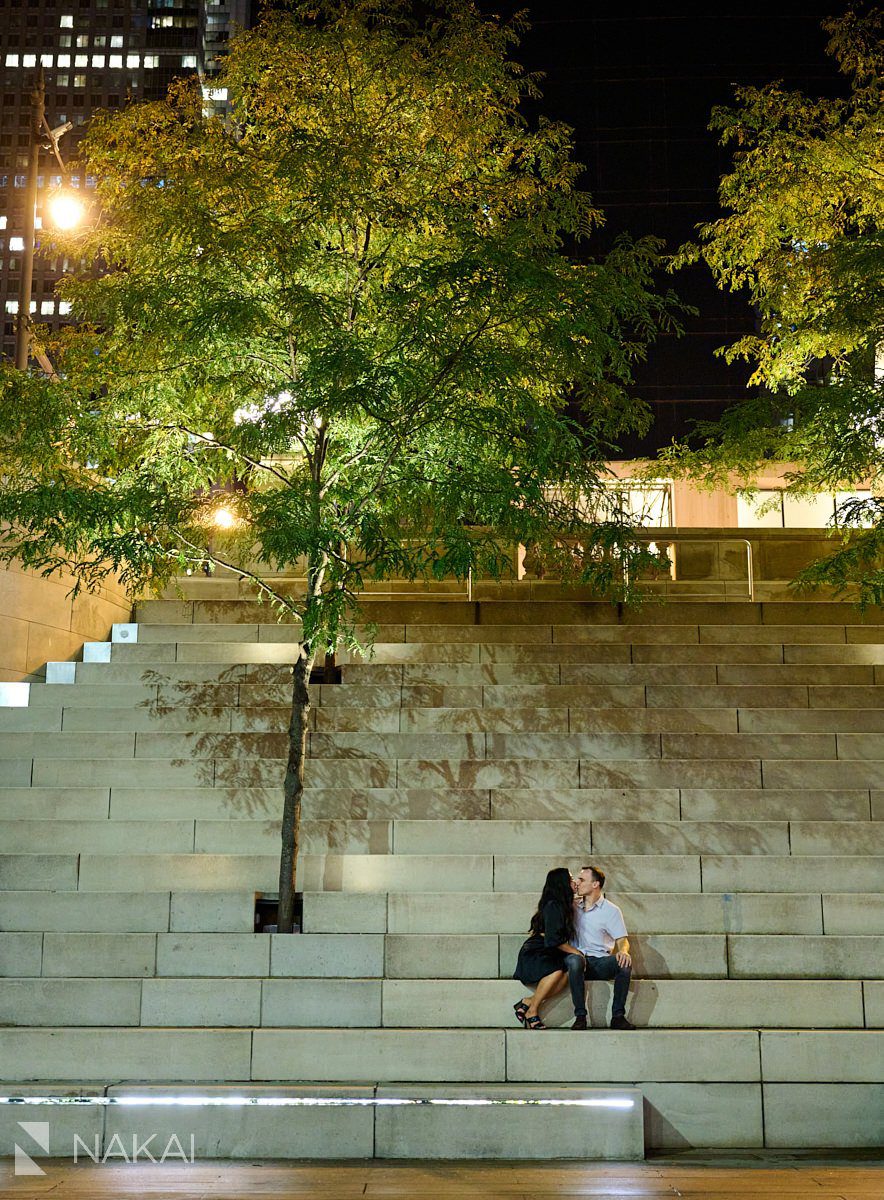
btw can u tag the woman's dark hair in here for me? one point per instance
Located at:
(557, 890)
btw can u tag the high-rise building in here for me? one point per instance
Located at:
(93, 54)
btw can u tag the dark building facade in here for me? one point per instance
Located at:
(637, 82)
(93, 54)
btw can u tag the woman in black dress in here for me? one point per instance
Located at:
(541, 962)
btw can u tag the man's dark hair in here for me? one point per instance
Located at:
(597, 873)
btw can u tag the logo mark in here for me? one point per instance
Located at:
(37, 1131)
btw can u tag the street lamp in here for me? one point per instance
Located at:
(40, 132)
(66, 210)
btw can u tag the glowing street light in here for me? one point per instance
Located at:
(223, 518)
(66, 210)
(42, 136)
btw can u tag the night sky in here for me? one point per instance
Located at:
(637, 83)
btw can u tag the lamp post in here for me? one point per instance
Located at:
(25, 284)
(40, 133)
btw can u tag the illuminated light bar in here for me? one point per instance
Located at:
(318, 1101)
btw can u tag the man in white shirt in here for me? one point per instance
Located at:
(600, 936)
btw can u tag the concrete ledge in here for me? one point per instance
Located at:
(686, 1116)
(201, 1002)
(665, 1056)
(823, 1115)
(430, 913)
(854, 914)
(58, 1002)
(66, 1121)
(667, 1004)
(76, 1053)
(427, 1055)
(607, 1125)
(806, 1056)
(842, 957)
(85, 912)
(313, 1131)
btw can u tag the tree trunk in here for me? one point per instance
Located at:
(294, 787)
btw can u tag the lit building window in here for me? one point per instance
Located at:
(46, 60)
(47, 308)
(12, 306)
(151, 60)
(12, 60)
(133, 60)
(64, 307)
(98, 60)
(16, 243)
(82, 40)
(66, 21)
(188, 60)
(81, 60)
(2, 222)
(79, 81)
(115, 61)
(116, 41)
(29, 60)
(64, 60)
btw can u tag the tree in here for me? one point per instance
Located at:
(343, 314)
(804, 236)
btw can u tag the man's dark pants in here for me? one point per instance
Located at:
(605, 967)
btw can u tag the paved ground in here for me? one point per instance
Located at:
(718, 1177)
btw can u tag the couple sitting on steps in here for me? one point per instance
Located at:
(576, 934)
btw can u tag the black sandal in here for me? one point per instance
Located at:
(534, 1023)
(520, 1009)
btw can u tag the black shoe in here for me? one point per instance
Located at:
(579, 1023)
(621, 1023)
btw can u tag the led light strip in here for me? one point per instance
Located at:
(316, 1101)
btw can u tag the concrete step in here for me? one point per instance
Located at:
(62, 803)
(411, 873)
(458, 650)
(231, 1121)
(127, 912)
(853, 914)
(187, 675)
(302, 1121)
(418, 956)
(432, 913)
(551, 720)
(420, 1003)
(109, 718)
(525, 633)
(653, 1004)
(523, 651)
(413, 774)
(31, 720)
(207, 606)
(327, 751)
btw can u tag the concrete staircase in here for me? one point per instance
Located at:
(723, 762)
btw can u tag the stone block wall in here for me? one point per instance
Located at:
(40, 621)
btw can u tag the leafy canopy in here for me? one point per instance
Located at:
(803, 235)
(342, 311)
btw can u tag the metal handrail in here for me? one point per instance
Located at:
(669, 538)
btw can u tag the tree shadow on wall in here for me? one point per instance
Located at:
(246, 761)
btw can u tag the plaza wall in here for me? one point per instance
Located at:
(40, 621)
